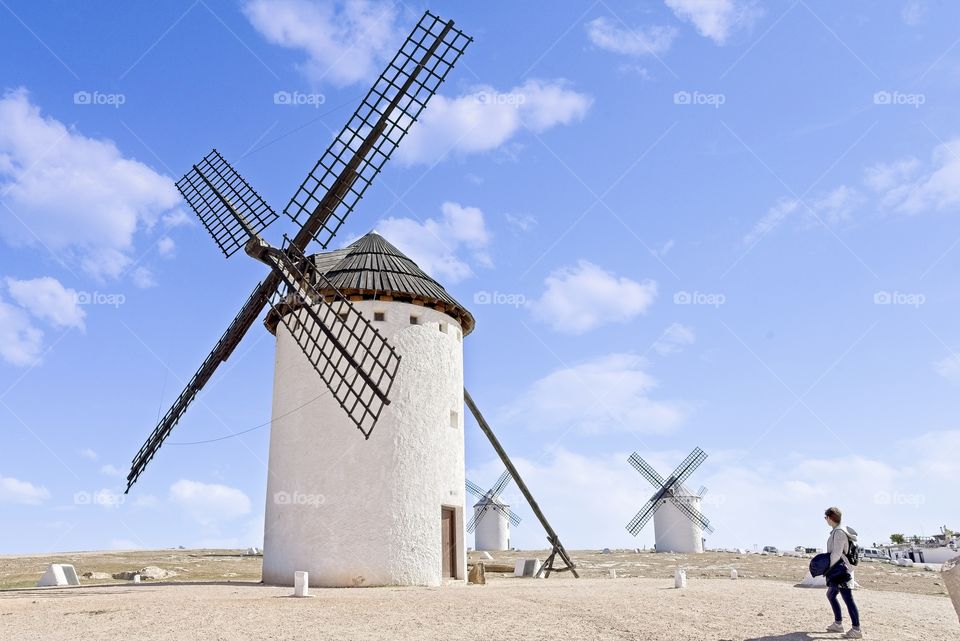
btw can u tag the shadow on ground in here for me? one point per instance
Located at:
(790, 636)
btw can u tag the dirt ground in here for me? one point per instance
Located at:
(216, 596)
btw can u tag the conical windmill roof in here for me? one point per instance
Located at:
(371, 268)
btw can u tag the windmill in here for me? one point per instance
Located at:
(678, 522)
(492, 517)
(335, 332)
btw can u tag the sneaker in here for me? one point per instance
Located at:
(853, 633)
(836, 626)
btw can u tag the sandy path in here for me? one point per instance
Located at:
(711, 610)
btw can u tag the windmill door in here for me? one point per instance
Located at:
(448, 541)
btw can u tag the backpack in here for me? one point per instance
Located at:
(853, 552)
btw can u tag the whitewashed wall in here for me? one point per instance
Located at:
(355, 512)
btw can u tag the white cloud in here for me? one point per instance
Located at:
(143, 277)
(674, 339)
(22, 492)
(832, 208)
(486, 119)
(88, 454)
(111, 470)
(773, 219)
(949, 368)
(20, 342)
(523, 222)
(606, 34)
(910, 187)
(836, 206)
(166, 247)
(716, 19)
(208, 503)
(907, 186)
(46, 298)
(664, 249)
(436, 245)
(345, 42)
(584, 297)
(609, 393)
(913, 12)
(74, 195)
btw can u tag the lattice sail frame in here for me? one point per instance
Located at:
(391, 107)
(355, 361)
(491, 495)
(214, 174)
(666, 490)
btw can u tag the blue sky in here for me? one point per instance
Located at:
(729, 224)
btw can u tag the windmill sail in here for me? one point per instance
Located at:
(693, 514)
(640, 518)
(226, 204)
(321, 204)
(221, 352)
(354, 360)
(646, 470)
(339, 179)
(671, 489)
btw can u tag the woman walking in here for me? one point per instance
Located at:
(840, 577)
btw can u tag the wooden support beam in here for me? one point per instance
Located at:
(552, 537)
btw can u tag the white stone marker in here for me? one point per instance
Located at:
(59, 574)
(526, 567)
(680, 578)
(136, 578)
(733, 573)
(613, 573)
(301, 584)
(811, 581)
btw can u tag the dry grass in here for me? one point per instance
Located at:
(234, 566)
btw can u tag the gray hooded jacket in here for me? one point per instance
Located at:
(839, 543)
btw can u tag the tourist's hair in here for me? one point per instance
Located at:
(834, 514)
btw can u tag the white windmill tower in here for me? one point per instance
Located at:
(678, 522)
(491, 516)
(388, 511)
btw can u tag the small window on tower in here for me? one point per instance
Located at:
(379, 316)
(343, 316)
(414, 320)
(454, 419)
(443, 328)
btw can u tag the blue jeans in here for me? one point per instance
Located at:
(847, 595)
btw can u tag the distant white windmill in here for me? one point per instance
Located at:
(677, 521)
(491, 516)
